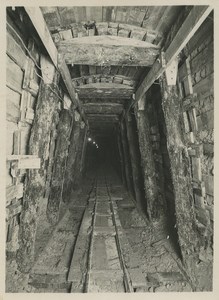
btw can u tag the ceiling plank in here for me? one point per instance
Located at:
(193, 21)
(104, 90)
(101, 101)
(79, 81)
(103, 120)
(108, 50)
(104, 108)
(39, 24)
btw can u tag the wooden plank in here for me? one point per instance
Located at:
(103, 281)
(29, 163)
(204, 85)
(16, 52)
(193, 21)
(164, 277)
(124, 32)
(112, 31)
(98, 50)
(136, 16)
(209, 184)
(100, 78)
(28, 74)
(25, 136)
(33, 87)
(102, 28)
(66, 34)
(192, 119)
(67, 102)
(29, 114)
(107, 116)
(52, 17)
(17, 142)
(68, 83)
(38, 21)
(13, 209)
(94, 13)
(105, 108)
(14, 77)
(67, 15)
(204, 57)
(201, 35)
(79, 260)
(108, 90)
(196, 168)
(14, 191)
(12, 105)
(138, 34)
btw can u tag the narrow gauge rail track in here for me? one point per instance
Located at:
(98, 264)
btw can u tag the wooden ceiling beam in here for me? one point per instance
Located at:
(103, 119)
(102, 115)
(101, 101)
(105, 108)
(39, 24)
(108, 50)
(79, 81)
(191, 24)
(105, 90)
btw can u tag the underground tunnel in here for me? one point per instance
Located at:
(110, 149)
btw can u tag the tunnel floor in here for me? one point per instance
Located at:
(104, 244)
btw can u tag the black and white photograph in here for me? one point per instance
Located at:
(109, 130)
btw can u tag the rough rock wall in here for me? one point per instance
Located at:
(47, 114)
(38, 127)
(21, 93)
(188, 111)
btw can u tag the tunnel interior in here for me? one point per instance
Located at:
(110, 149)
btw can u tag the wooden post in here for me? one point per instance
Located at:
(121, 159)
(73, 148)
(127, 161)
(181, 175)
(47, 110)
(84, 152)
(77, 172)
(148, 166)
(61, 152)
(135, 161)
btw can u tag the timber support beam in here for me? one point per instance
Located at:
(108, 50)
(39, 24)
(193, 21)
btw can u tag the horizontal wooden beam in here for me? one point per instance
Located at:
(99, 100)
(105, 108)
(105, 116)
(39, 24)
(25, 161)
(107, 90)
(120, 79)
(100, 120)
(193, 21)
(108, 50)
